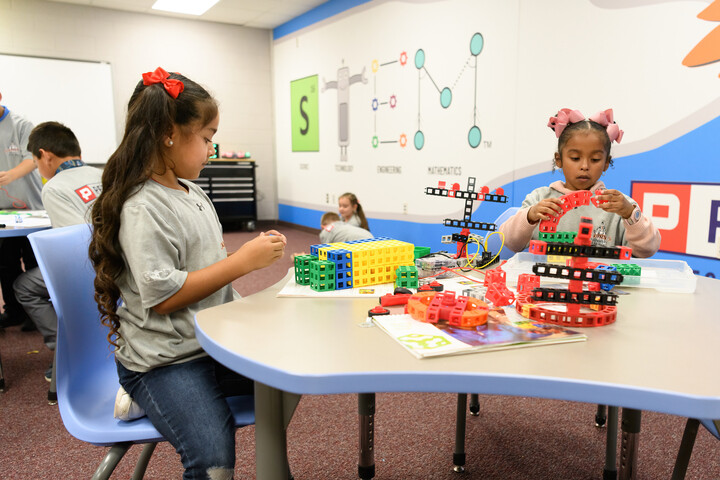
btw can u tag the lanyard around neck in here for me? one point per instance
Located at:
(75, 162)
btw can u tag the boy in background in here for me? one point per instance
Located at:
(334, 230)
(71, 189)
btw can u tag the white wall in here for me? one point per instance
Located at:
(233, 62)
(538, 57)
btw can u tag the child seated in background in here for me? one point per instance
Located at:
(68, 195)
(583, 154)
(334, 230)
(351, 211)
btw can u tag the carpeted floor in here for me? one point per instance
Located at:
(512, 438)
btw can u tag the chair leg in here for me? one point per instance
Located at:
(600, 417)
(686, 447)
(143, 461)
(610, 470)
(112, 458)
(474, 405)
(2, 378)
(459, 453)
(52, 391)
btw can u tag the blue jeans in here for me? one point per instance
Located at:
(186, 404)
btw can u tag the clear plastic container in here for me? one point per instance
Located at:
(433, 266)
(673, 276)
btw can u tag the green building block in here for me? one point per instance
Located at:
(630, 271)
(558, 237)
(421, 252)
(322, 275)
(302, 269)
(406, 277)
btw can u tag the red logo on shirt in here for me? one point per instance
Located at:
(86, 194)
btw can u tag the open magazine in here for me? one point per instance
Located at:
(505, 328)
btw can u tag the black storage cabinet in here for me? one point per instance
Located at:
(231, 187)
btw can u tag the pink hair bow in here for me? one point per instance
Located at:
(605, 118)
(172, 86)
(564, 118)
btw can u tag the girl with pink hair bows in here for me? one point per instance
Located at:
(583, 155)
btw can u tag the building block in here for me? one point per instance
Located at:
(322, 275)
(302, 269)
(538, 247)
(561, 237)
(526, 282)
(631, 272)
(406, 276)
(421, 252)
(496, 275)
(460, 311)
(342, 259)
(499, 295)
(612, 274)
(315, 249)
(390, 299)
(628, 269)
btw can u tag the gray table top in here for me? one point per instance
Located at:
(659, 355)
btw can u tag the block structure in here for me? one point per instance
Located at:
(360, 263)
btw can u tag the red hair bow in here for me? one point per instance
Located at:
(606, 120)
(564, 118)
(172, 86)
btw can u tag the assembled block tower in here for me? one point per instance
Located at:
(358, 263)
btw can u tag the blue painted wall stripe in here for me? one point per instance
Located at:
(317, 14)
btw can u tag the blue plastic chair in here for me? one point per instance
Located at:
(87, 379)
(688, 441)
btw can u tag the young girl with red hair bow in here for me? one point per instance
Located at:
(158, 252)
(583, 155)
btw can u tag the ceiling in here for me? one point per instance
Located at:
(249, 13)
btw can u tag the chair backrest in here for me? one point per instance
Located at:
(495, 241)
(84, 363)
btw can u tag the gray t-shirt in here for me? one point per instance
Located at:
(14, 133)
(164, 235)
(69, 195)
(354, 220)
(343, 232)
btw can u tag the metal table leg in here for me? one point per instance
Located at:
(629, 443)
(459, 453)
(366, 414)
(610, 470)
(273, 410)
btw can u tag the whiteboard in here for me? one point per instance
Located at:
(76, 93)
